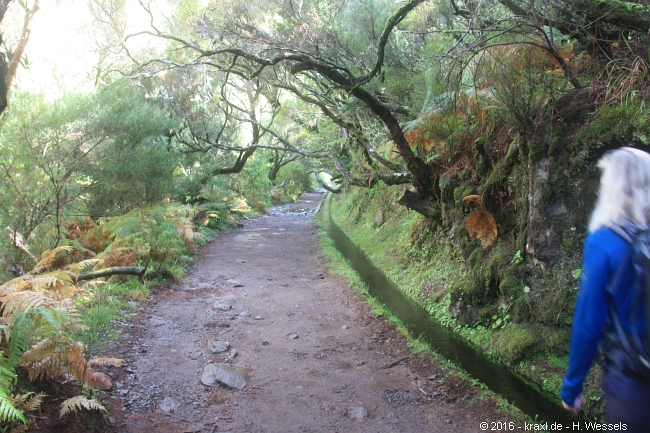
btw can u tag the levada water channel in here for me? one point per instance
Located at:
(531, 400)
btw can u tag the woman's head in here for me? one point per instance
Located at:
(624, 188)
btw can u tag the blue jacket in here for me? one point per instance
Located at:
(603, 253)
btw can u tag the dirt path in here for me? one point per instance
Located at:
(317, 361)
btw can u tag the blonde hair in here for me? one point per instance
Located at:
(624, 193)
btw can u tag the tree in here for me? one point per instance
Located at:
(305, 51)
(103, 153)
(10, 59)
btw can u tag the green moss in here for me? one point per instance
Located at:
(503, 168)
(521, 309)
(624, 124)
(510, 287)
(557, 342)
(462, 191)
(513, 342)
(475, 259)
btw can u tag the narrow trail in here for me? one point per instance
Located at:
(316, 359)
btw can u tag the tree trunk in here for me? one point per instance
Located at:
(624, 14)
(107, 272)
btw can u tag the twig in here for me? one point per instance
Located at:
(395, 363)
(183, 420)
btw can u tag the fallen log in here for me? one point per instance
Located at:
(107, 272)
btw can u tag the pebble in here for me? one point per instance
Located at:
(222, 305)
(218, 346)
(360, 412)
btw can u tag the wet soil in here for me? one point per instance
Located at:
(316, 358)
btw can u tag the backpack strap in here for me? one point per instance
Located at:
(624, 231)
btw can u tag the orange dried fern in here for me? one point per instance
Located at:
(481, 223)
(473, 199)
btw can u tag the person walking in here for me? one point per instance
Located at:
(623, 201)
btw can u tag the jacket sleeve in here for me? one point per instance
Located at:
(589, 317)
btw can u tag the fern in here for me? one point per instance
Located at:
(481, 223)
(79, 402)
(28, 402)
(23, 301)
(59, 282)
(51, 259)
(50, 357)
(80, 266)
(8, 412)
(106, 362)
(22, 330)
(473, 199)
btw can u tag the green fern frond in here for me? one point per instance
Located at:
(22, 330)
(7, 375)
(8, 412)
(79, 402)
(52, 318)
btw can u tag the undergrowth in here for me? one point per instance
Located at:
(58, 319)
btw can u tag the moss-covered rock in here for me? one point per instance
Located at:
(615, 126)
(512, 343)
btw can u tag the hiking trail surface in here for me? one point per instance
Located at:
(302, 346)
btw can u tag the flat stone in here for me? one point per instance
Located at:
(168, 405)
(222, 305)
(218, 346)
(214, 374)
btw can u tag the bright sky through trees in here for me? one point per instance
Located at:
(61, 54)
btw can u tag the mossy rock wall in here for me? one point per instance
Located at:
(541, 194)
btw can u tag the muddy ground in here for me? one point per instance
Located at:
(315, 357)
